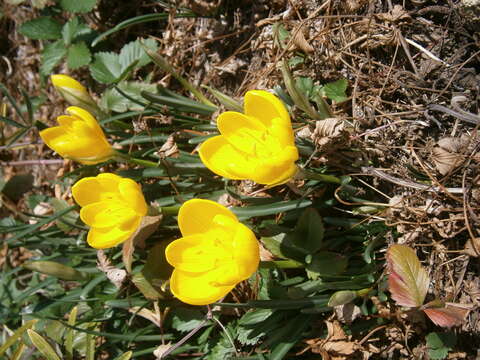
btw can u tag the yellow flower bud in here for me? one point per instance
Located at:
(257, 145)
(215, 253)
(112, 206)
(73, 92)
(79, 137)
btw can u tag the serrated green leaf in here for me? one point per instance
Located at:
(184, 319)
(112, 100)
(106, 67)
(336, 90)
(69, 30)
(78, 55)
(51, 56)
(439, 344)
(42, 345)
(42, 28)
(78, 6)
(134, 51)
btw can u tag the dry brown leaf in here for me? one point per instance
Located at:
(472, 248)
(116, 276)
(327, 132)
(398, 13)
(146, 314)
(161, 350)
(300, 41)
(347, 313)
(448, 154)
(336, 346)
(147, 227)
(168, 149)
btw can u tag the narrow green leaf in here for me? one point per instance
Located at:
(78, 6)
(139, 20)
(42, 345)
(56, 269)
(12, 122)
(125, 356)
(16, 335)
(42, 28)
(78, 55)
(270, 209)
(72, 319)
(31, 229)
(12, 101)
(51, 56)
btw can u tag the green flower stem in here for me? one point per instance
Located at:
(281, 264)
(165, 66)
(309, 175)
(170, 210)
(125, 157)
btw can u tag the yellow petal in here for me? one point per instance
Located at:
(265, 107)
(65, 81)
(196, 216)
(49, 135)
(108, 237)
(85, 191)
(223, 159)
(278, 169)
(86, 117)
(243, 132)
(190, 254)
(246, 251)
(196, 288)
(282, 131)
(132, 194)
(104, 214)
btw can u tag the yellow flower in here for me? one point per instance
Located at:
(257, 145)
(112, 206)
(79, 137)
(215, 253)
(73, 92)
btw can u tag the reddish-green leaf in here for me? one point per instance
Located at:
(449, 315)
(408, 281)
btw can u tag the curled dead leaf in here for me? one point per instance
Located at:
(168, 149)
(328, 132)
(337, 345)
(147, 227)
(300, 41)
(448, 153)
(397, 14)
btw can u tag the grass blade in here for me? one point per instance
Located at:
(137, 20)
(12, 101)
(16, 335)
(42, 345)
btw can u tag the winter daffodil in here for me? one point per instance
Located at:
(74, 93)
(112, 206)
(78, 137)
(257, 145)
(215, 253)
